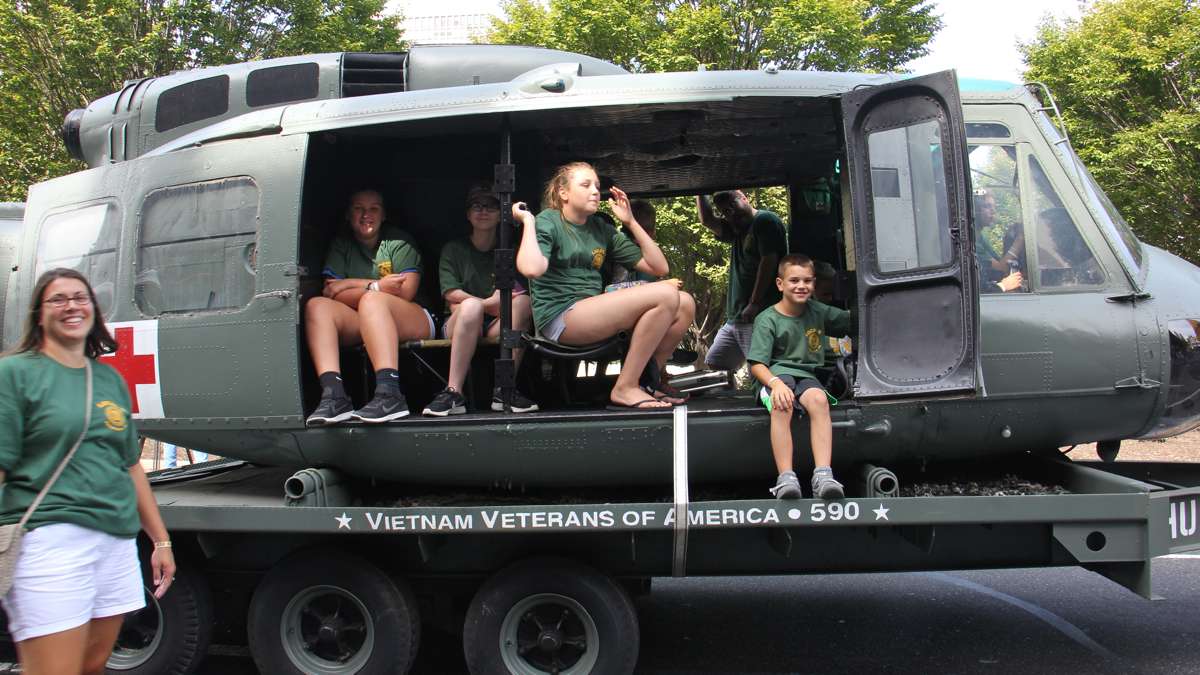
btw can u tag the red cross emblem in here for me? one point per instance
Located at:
(135, 368)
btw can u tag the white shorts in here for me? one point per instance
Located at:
(68, 575)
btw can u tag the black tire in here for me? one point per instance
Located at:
(168, 636)
(322, 611)
(541, 612)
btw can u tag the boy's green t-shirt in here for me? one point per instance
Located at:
(467, 268)
(41, 403)
(795, 345)
(576, 254)
(766, 236)
(397, 252)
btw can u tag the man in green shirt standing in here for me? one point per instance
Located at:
(372, 275)
(757, 238)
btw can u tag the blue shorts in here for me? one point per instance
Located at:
(556, 327)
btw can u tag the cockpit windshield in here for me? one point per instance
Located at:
(1117, 231)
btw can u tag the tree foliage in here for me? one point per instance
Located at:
(57, 55)
(672, 35)
(1127, 79)
(682, 35)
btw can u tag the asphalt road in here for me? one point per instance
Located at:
(1007, 621)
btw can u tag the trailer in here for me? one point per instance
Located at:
(321, 573)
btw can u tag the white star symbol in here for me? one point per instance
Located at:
(343, 521)
(880, 513)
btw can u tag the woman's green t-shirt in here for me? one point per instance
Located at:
(41, 405)
(576, 253)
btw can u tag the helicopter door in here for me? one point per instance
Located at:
(917, 292)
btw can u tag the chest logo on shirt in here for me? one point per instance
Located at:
(814, 339)
(597, 258)
(385, 268)
(114, 415)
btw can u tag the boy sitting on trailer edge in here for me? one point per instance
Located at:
(787, 345)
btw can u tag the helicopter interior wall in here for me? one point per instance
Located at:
(424, 168)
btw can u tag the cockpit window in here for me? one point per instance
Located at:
(1064, 259)
(908, 189)
(83, 239)
(1128, 246)
(999, 231)
(197, 247)
(987, 130)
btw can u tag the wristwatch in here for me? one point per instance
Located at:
(373, 286)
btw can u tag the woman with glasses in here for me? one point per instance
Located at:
(468, 281)
(562, 252)
(78, 572)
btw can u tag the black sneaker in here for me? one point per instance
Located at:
(388, 405)
(330, 410)
(449, 402)
(520, 404)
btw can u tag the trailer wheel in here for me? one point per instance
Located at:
(330, 613)
(550, 616)
(169, 635)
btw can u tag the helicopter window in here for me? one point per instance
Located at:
(197, 245)
(999, 230)
(83, 239)
(909, 193)
(281, 84)
(1064, 259)
(192, 102)
(987, 130)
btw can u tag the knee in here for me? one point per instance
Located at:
(94, 664)
(815, 401)
(316, 310)
(373, 303)
(781, 416)
(522, 310)
(470, 310)
(667, 296)
(687, 306)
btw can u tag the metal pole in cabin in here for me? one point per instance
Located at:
(505, 266)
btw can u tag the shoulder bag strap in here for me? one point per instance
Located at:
(87, 421)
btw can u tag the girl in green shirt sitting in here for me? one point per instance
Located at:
(562, 252)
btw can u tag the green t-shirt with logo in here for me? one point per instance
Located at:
(397, 252)
(41, 403)
(576, 254)
(765, 236)
(795, 345)
(467, 268)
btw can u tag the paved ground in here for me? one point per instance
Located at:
(1009, 621)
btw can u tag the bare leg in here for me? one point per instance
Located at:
(463, 328)
(385, 320)
(522, 313)
(56, 653)
(649, 309)
(816, 404)
(329, 324)
(102, 635)
(781, 438)
(679, 327)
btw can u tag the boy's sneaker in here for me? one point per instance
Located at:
(824, 486)
(786, 486)
(388, 405)
(330, 410)
(449, 402)
(520, 404)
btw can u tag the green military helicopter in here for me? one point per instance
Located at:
(213, 195)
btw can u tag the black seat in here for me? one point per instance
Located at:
(563, 357)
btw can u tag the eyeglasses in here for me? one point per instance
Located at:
(480, 206)
(61, 301)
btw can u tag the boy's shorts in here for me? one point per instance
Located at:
(67, 575)
(798, 387)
